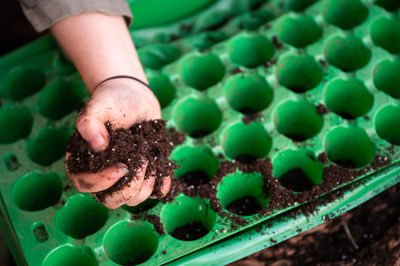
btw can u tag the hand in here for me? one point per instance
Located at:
(123, 102)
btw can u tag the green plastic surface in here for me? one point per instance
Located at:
(212, 64)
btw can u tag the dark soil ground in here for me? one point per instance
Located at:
(372, 238)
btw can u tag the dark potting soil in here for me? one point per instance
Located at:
(200, 133)
(246, 158)
(296, 180)
(195, 178)
(176, 137)
(244, 206)
(247, 111)
(191, 231)
(252, 117)
(321, 109)
(143, 142)
(373, 238)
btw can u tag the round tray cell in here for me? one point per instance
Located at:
(298, 73)
(348, 98)
(142, 207)
(197, 116)
(347, 53)
(188, 219)
(162, 88)
(387, 124)
(207, 39)
(246, 142)
(298, 30)
(36, 191)
(389, 5)
(10, 160)
(298, 120)
(345, 14)
(202, 71)
(385, 32)
(81, 216)
(197, 165)
(15, 123)
(59, 99)
(70, 255)
(48, 146)
(22, 82)
(297, 170)
(130, 243)
(250, 50)
(158, 55)
(40, 232)
(242, 193)
(386, 77)
(248, 95)
(299, 5)
(349, 147)
(253, 20)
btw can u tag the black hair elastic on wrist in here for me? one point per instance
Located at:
(122, 77)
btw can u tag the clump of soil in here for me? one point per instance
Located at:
(244, 206)
(296, 180)
(252, 117)
(191, 231)
(176, 137)
(321, 109)
(143, 142)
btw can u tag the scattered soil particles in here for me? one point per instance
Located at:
(372, 238)
(143, 142)
(244, 206)
(191, 231)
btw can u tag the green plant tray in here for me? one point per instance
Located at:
(209, 63)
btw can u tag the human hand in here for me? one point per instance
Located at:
(122, 102)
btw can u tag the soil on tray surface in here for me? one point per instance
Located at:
(191, 231)
(143, 142)
(373, 238)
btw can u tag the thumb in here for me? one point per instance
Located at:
(92, 129)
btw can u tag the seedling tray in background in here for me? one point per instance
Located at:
(241, 84)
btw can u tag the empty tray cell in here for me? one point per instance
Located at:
(70, 255)
(11, 161)
(385, 32)
(297, 170)
(389, 5)
(246, 143)
(242, 193)
(130, 243)
(298, 30)
(386, 77)
(36, 191)
(347, 53)
(60, 98)
(299, 5)
(162, 88)
(248, 94)
(202, 71)
(15, 123)
(298, 73)
(207, 39)
(197, 165)
(81, 216)
(345, 14)
(250, 50)
(349, 147)
(348, 98)
(387, 124)
(40, 232)
(22, 82)
(196, 218)
(197, 116)
(158, 55)
(298, 120)
(48, 146)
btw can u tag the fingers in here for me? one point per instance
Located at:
(145, 191)
(128, 193)
(165, 187)
(92, 129)
(95, 182)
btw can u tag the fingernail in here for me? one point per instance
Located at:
(98, 142)
(124, 169)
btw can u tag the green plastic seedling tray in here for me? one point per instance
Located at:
(204, 87)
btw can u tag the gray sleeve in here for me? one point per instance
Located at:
(44, 13)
